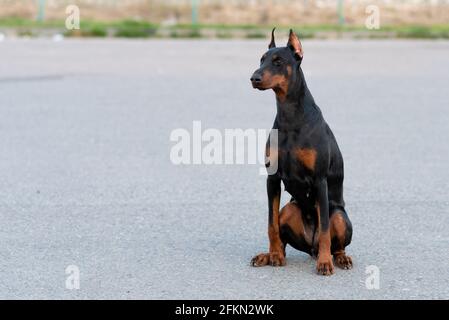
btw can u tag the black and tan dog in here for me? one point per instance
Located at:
(309, 163)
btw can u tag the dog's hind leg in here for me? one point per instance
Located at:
(341, 234)
(295, 228)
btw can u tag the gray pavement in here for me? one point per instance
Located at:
(86, 178)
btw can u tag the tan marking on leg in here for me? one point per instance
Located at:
(324, 264)
(292, 216)
(338, 228)
(273, 228)
(277, 257)
(338, 232)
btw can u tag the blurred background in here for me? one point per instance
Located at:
(227, 18)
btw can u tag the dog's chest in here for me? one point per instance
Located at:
(296, 177)
(296, 157)
(293, 170)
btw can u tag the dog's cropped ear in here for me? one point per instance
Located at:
(295, 45)
(272, 43)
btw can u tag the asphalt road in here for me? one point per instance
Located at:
(86, 178)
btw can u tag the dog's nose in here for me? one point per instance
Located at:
(256, 78)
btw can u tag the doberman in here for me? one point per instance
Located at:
(309, 164)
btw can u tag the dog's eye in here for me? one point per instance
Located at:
(277, 62)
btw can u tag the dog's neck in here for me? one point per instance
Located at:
(296, 106)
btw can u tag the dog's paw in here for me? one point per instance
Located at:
(260, 260)
(274, 259)
(343, 261)
(324, 265)
(277, 259)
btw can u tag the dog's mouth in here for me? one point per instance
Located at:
(258, 85)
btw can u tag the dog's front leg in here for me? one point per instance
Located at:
(324, 263)
(276, 254)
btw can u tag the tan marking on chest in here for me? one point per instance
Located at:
(307, 157)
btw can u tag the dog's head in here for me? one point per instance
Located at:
(278, 65)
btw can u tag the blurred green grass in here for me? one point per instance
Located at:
(144, 29)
